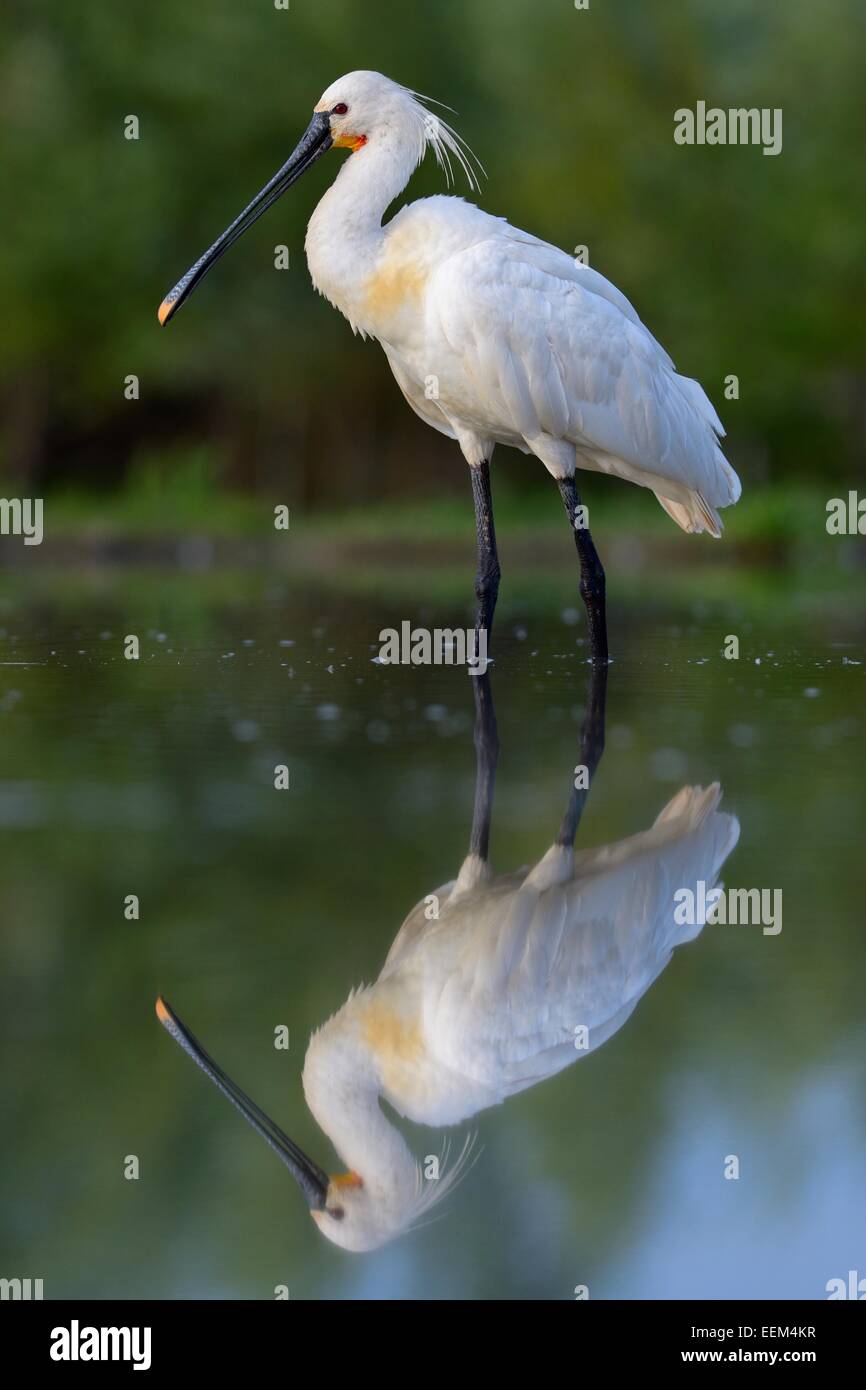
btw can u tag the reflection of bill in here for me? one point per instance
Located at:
(507, 982)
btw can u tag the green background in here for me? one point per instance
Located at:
(738, 262)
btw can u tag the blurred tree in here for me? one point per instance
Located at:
(739, 263)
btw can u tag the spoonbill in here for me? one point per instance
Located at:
(494, 336)
(506, 983)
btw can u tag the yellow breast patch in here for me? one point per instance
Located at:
(395, 1041)
(398, 281)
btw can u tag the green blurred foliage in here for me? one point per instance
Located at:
(738, 262)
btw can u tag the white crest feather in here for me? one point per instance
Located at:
(445, 142)
(431, 1192)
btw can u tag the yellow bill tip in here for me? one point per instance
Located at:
(162, 1012)
(164, 311)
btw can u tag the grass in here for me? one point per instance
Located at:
(776, 553)
(177, 494)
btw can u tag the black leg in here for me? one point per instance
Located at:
(592, 583)
(591, 749)
(486, 757)
(487, 575)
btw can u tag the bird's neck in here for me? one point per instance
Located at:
(345, 233)
(342, 1088)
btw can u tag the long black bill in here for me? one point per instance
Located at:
(315, 140)
(311, 1179)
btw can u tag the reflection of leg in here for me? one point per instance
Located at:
(486, 756)
(487, 574)
(591, 749)
(592, 581)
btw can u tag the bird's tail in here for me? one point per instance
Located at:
(690, 508)
(692, 805)
(694, 515)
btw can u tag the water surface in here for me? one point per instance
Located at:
(261, 908)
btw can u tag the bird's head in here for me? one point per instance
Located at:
(365, 106)
(356, 1218)
(363, 110)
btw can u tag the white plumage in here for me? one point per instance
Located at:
(495, 336)
(484, 1001)
(506, 982)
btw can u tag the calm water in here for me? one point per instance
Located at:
(261, 908)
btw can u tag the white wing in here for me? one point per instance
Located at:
(550, 351)
(534, 962)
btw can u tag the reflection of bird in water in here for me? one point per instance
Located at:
(494, 336)
(491, 985)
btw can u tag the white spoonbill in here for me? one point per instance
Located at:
(514, 979)
(494, 336)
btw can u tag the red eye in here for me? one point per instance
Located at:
(340, 109)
